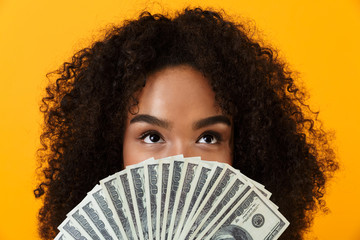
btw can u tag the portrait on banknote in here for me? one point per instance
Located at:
(231, 233)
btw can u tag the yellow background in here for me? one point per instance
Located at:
(320, 38)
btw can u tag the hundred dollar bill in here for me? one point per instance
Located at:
(93, 214)
(237, 189)
(151, 171)
(175, 176)
(223, 212)
(117, 203)
(199, 183)
(225, 179)
(215, 177)
(217, 172)
(259, 186)
(137, 184)
(164, 176)
(158, 202)
(252, 218)
(77, 217)
(186, 185)
(98, 194)
(81, 215)
(74, 231)
(126, 192)
(166, 167)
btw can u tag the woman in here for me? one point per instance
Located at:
(195, 84)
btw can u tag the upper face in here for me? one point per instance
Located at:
(177, 114)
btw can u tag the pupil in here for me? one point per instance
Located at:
(154, 138)
(208, 138)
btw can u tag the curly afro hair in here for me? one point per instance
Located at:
(278, 140)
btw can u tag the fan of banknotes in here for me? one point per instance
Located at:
(175, 198)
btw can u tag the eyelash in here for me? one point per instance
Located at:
(214, 134)
(148, 133)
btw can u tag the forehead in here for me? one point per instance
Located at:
(177, 89)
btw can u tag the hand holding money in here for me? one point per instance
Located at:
(175, 198)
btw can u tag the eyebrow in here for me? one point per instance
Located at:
(151, 120)
(165, 124)
(211, 121)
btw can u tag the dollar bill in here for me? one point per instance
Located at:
(74, 231)
(251, 218)
(237, 189)
(166, 177)
(117, 203)
(126, 191)
(175, 177)
(258, 185)
(223, 212)
(159, 202)
(166, 166)
(76, 216)
(151, 171)
(225, 179)
(199, 183)
(214, 179)
(137, 184)
(186, 185)
(92, 213)
(260, 188)
(98, 194)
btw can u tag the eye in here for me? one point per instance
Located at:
(152, 137)
(209, 138)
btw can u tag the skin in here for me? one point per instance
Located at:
(177, 114)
